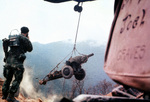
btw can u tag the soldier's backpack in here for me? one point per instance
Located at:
(13, 39)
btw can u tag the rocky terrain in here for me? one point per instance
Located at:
(21, 98)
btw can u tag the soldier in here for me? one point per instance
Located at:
(14, 58)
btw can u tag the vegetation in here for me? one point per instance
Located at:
(45, 57)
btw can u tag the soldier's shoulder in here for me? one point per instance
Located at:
(24, 39)
(21, 37)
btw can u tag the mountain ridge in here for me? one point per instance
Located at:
(45, 57)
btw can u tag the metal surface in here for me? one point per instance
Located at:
(129, 92)
(99, 98)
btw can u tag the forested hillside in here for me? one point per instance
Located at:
(45, 57)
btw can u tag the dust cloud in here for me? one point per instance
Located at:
(29, 91)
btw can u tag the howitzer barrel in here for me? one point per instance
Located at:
(90, 55)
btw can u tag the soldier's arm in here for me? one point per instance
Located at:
(29, 46)
(26, 43)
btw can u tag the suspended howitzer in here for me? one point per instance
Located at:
(71, 67)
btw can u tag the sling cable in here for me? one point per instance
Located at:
(67, 71)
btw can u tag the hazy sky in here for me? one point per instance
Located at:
(49, 22)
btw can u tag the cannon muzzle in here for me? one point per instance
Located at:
(90, 55)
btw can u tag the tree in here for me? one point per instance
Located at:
(105, 87)
(77, 88)
(102, 88)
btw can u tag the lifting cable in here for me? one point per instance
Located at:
(74, 48)
(77, 30)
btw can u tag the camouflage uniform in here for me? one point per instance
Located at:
(14, 65)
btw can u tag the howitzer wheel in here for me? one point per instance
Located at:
(80, 75)
(67, 72)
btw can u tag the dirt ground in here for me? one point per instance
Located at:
(20, 98)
